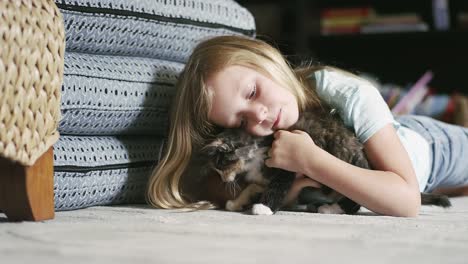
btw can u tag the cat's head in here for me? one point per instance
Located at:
(224, 153)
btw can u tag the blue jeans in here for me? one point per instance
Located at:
(449, 146)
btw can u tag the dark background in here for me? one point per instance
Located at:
(401, 58)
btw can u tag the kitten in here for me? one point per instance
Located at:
(236, 155)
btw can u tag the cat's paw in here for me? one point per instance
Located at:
(261, 209)
(231, 177)
(330, 209)
(232, 206)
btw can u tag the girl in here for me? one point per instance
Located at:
(233, 81)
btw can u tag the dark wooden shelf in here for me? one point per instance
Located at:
(416, 35)
(397, 57)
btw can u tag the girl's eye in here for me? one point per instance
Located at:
(242, 123)
(253, 92)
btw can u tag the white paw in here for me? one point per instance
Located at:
(231, 177)
(330, 209)
(231, 206)
(261, 209)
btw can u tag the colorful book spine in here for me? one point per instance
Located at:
(441, 14)
(388, 28)
(414, 96)
(343, 20)
(346, 12)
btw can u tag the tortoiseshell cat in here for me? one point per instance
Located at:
(237, 155)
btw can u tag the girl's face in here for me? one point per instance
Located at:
(242, 97)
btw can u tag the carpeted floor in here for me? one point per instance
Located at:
(137, 234)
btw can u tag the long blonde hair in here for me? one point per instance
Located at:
(189, 123)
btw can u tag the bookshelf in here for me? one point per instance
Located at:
(397, 57)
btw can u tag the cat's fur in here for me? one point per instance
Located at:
(236, 155)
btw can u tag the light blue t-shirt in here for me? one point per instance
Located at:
(362, 107)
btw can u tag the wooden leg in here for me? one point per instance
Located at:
(27, 192)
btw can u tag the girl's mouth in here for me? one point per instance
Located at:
(275, 125)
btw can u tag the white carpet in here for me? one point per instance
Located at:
(137, 234)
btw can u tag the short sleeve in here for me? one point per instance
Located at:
(357, 101)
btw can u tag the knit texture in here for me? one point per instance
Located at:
(156, 29)
(110, 95)
(103, 170)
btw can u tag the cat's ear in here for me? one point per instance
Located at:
(225, 147)
(209, 150)
(216, 147)
(213, 148)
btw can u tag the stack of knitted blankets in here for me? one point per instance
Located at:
(122, 61)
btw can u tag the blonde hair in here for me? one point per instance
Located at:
(189, 123)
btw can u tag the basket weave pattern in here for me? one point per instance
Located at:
(31, 72)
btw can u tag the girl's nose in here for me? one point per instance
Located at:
(259, 114)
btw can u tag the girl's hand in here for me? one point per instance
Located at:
(291, 151)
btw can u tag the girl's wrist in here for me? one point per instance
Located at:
(312, 159)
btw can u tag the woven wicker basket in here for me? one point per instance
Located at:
(31, 71)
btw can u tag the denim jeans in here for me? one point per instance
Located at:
(449, 146)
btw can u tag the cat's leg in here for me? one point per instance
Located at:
(273, 197)
(244, 197)
(330, 209)
(312, 195)
(302, 208)
(435, 199)
(348, 206)
(309, 199)
(343, 206)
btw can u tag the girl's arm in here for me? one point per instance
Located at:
(390, 189)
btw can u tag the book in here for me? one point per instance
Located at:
(402, 18)
(343, 20)
(414, 96)
(462, 20)
(441, 14)
(388, 28)
(340, 30)
(346, 12)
